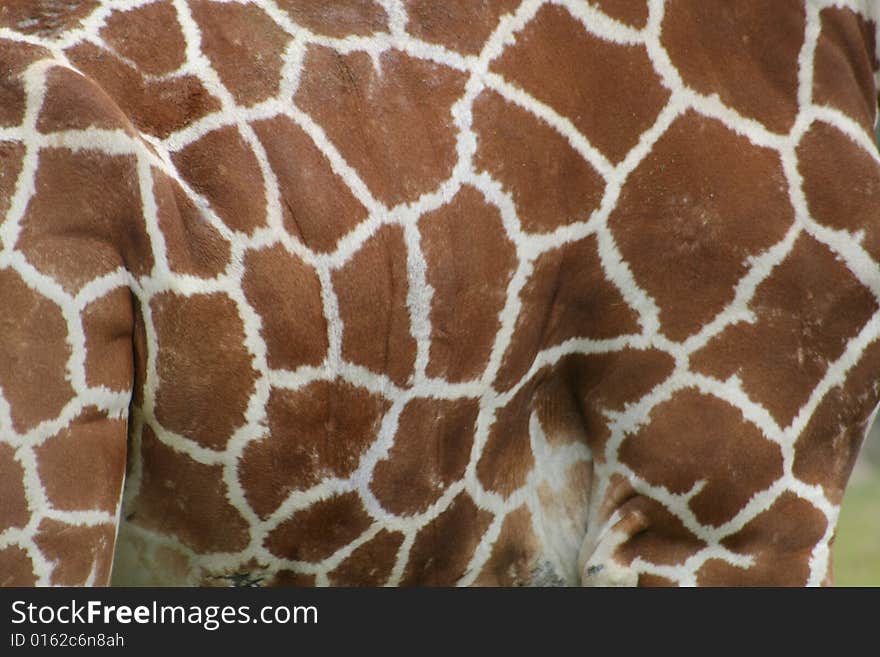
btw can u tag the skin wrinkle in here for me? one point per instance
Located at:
(464, 293)
(203, 251)
(351, 80)
(299, 232)
(470, 261)
(316, 204)
(554, 293)
(390, 278)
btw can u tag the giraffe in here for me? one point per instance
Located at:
(401, 292)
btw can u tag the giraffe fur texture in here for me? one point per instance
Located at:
(402, 292)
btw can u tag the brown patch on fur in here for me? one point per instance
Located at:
(320, 430)
(470, 263)
(559, 409)
(107, 324)
(574, 394)
(17, 568)
(33, 354)
(150, 36)
(806, 310)
(45, 18)
(567, 296)
(15, 57)
(695, 437)
(507, 459)
(286, 292)
(662, 538)
(632, 12)
(746, 52)
(73, 102)
(81, 467)
(317, 206)
(77, 551)
(338, 18)
(431, 450)
(844, 65)
(371, 563)
(245, 48)
(551, 184)
(192, 353)
(780, 539)
(461, 25)
(827, 448)
(14, 510)
(513, 553)
(686, 221)
(620, 378)
(85, 219)
(655, 581)
(192, 245)
(372, 289)
(844, 202)
(292, 578)
(187, 500)
(570, 399)
(156, 107)
(394, 128)
(11, 157)
(444, 546)
(222, 167)
(611, 105)
(315, 533)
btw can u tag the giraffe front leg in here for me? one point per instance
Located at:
(62, 435)
(71, 222)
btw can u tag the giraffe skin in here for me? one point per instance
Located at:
(402, 292)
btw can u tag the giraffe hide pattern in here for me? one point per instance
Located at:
(405, 292)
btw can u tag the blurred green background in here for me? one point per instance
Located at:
(857, 548)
